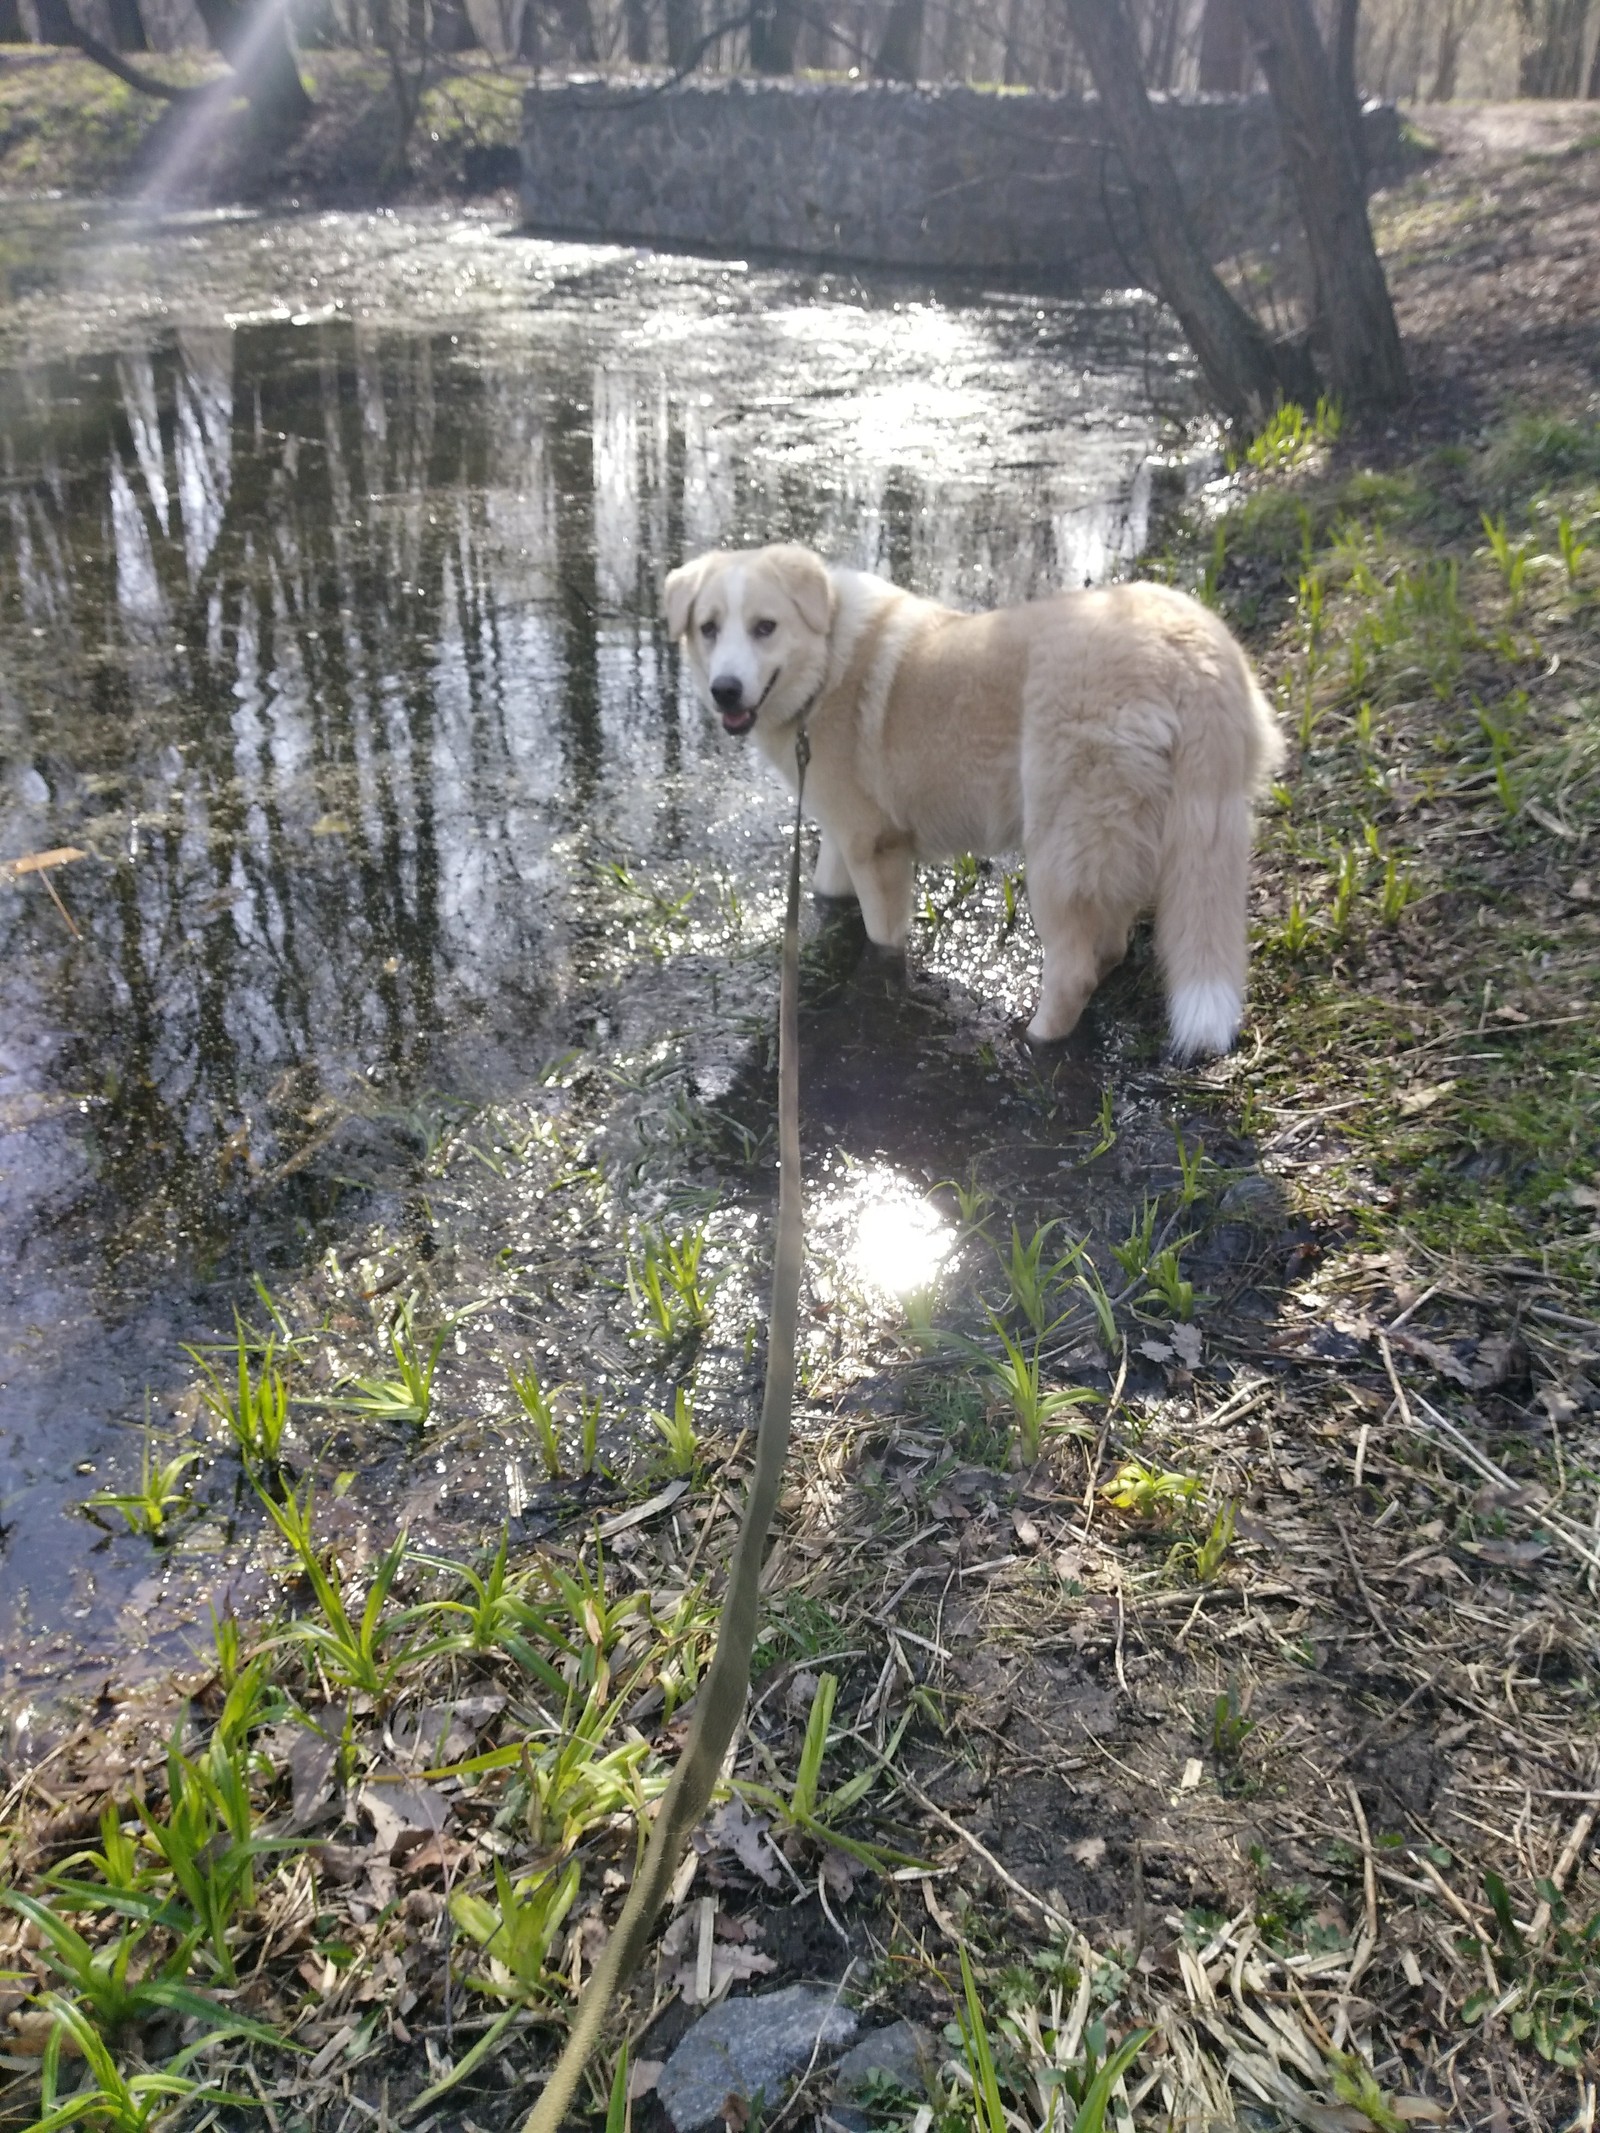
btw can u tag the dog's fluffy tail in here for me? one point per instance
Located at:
(1230, 748)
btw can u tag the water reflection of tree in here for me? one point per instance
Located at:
(276, 594)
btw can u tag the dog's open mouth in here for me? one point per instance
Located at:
(739, 721)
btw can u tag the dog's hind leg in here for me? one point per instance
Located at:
(1073, 933)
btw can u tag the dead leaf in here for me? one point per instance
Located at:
(396, 1809)
(417, 1853)
(1025, 1529)
(1443, 1360)
(1156, 1351)
(643, 2075)
(733, 1828)
(445, 1732)
(1186, 1340)
(1089, 1851)
(1425, 1098)
(311, 1751)
(840, 1872)
(1509, 1554)
(730, 1965)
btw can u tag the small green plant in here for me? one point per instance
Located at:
(1133, 1253)
(1291, 435)
(1347, 879)
(254, 1409)
(1230, 1728)
(1207, 1555)
(1013, 887)
(368, 1653)
(1167, 1284)
(1105, 1122)
(1512, 562)
(1398, 890)
(1099, 1299)
(1018, 1375)
(163, 1495)
(124, 2103)
(669, 1298)
(116, 1980)
(588, 1435)
(679, 1437)
(517, 1932)
(1555, 2005)
(1573, 550)
(1296, 929)
(1150, 1492)
(1501, 730)
(408, 1396)
(1032, 1277)
(538, 1404)
(498, 1615)
(1194, 1171)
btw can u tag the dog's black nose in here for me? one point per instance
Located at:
(727, 692)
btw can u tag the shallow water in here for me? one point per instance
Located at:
(330, 550)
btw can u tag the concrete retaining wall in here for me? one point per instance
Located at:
(960, 179)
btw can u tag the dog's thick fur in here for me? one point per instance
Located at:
(1117, 737)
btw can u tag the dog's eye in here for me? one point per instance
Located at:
(763, 629)
(708, 630)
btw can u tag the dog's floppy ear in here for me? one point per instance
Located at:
(679, 591)
(804, 577)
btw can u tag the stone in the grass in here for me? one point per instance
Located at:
(901, 2052)
(750, 2048)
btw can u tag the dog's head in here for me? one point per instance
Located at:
(756, 621)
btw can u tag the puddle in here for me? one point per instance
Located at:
(424, 937)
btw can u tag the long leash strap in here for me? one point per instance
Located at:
(721, 1701)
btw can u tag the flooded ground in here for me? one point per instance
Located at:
(423, 937)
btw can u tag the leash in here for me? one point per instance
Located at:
(721, 1702)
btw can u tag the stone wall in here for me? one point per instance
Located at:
(1012, 184)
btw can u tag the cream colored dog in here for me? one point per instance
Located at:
(1117, 737)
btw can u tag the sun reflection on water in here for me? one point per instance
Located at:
(900, 1243)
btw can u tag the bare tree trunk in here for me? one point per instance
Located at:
(900, 54)
(1365, 363)
(56, 25)
(255, 42)
(1245, 372)
(683, 31)
(127, 26)
(1552, 64)
(452, 28)
(1014, 71)
(529, 46)
(1223, 57)
(774, 32)
(11, 30)
(577, 26)
(1346, 14)
(636, 24)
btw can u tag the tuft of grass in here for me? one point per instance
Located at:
(162, 1498)
(679, 1437)
(408, 1395)
(254, 1407)
(668, 1293)
(1018, 1374)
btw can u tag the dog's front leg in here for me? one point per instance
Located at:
(831, 876)
(884, 874)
